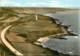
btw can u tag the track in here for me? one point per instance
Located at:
(7, 44)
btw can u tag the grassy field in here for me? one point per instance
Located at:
(25, 25)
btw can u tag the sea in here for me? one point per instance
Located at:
(70, 45)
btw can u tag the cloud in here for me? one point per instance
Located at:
(5, 2)
(54, 3)
(43, 4)
(36, 3)
(39, 3)
(47, 3)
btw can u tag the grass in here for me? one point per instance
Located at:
(42, 27)
(5, 51)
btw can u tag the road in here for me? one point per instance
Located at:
(17, 45)
(7, 44)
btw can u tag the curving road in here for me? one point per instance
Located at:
(7, 44)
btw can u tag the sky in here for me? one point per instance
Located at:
(40, 3)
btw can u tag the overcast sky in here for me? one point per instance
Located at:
(41, 3)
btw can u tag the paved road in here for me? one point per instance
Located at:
(7, 44)
(28, 49)
(20, 47)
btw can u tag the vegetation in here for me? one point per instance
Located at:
(27, 26)
(4, 51)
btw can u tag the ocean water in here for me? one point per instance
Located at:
(68, 18)
(71, 45)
